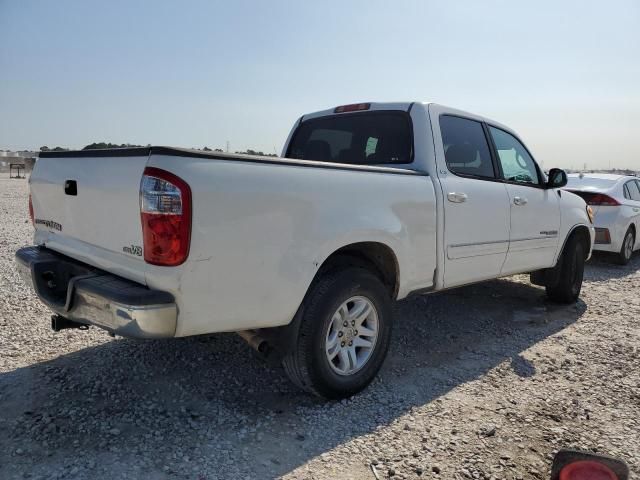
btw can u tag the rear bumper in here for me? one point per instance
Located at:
(91, 296)
(605, 240)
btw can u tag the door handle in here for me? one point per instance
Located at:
(457, 197)
(520, 201)
(70, 187)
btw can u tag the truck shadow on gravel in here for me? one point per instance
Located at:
(207, 407)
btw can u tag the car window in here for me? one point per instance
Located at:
(517, 165)
(370, 138)
(634, 190)
(627, 194)
(465, 146)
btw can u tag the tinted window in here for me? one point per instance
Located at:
(582, 181)
(627, 194)
(633, 190)
(465, 147)
(517, 165)
(362, 138)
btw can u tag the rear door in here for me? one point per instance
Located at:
(476, 202)
(535, 210)
(633, 189)
(87, 205)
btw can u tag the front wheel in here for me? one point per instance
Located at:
(569, 280)
(627, 248)
(344, 334)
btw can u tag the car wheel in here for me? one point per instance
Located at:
(626, 251)
(344, 334)
(569, 280)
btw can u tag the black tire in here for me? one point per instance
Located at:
(624, 256)
(306, 362)
(569, 280)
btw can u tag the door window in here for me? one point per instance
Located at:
(517, 165)
(634, 190)
(638, 184)
(465, 146)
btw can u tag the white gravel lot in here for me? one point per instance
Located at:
(483, 382)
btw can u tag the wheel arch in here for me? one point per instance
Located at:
(582, 231)
(632, 227)
(377, 257)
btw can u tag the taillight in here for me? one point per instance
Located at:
(31, 211)
(597, 199)
(165, 211)
(603, 200)
(354, 107)
(587, 470)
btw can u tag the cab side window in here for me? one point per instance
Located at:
(466, 149)
(517, 165)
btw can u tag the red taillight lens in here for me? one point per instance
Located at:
(587, 470)
(354, 107)
(599, 199)
(165, 211)
(31, 211)
(603, 200)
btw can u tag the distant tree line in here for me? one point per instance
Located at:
(246, 152)
(99, 145)
(56, 149)
(93, 146)
(262, 154)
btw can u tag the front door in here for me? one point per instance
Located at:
(535, 210)
(476, 203)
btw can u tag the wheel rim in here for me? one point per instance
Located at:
(628, 246)
(352, 335)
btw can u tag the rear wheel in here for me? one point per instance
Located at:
(344, 334)
(569, 280)
(627, 247)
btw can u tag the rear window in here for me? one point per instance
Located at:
(586, 182)
(370, 138)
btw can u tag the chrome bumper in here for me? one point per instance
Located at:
(87, 295)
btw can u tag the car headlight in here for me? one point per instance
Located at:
(590, 213)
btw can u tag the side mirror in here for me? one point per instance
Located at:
(557, 178)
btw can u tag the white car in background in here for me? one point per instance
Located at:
(615, 200)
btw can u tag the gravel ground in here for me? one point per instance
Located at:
(486, 382)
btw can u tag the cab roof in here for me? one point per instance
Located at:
(402, 106)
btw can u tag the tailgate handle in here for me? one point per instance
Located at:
(70, 187)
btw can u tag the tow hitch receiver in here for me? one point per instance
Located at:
(58, 322)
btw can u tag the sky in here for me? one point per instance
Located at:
(565, 75)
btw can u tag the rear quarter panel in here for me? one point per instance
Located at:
(261, 231)
(617, 220)
(573, 213)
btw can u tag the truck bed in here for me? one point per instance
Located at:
(260, 227)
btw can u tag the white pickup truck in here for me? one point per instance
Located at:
(302, 254)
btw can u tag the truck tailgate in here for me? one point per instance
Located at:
(81, 202)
